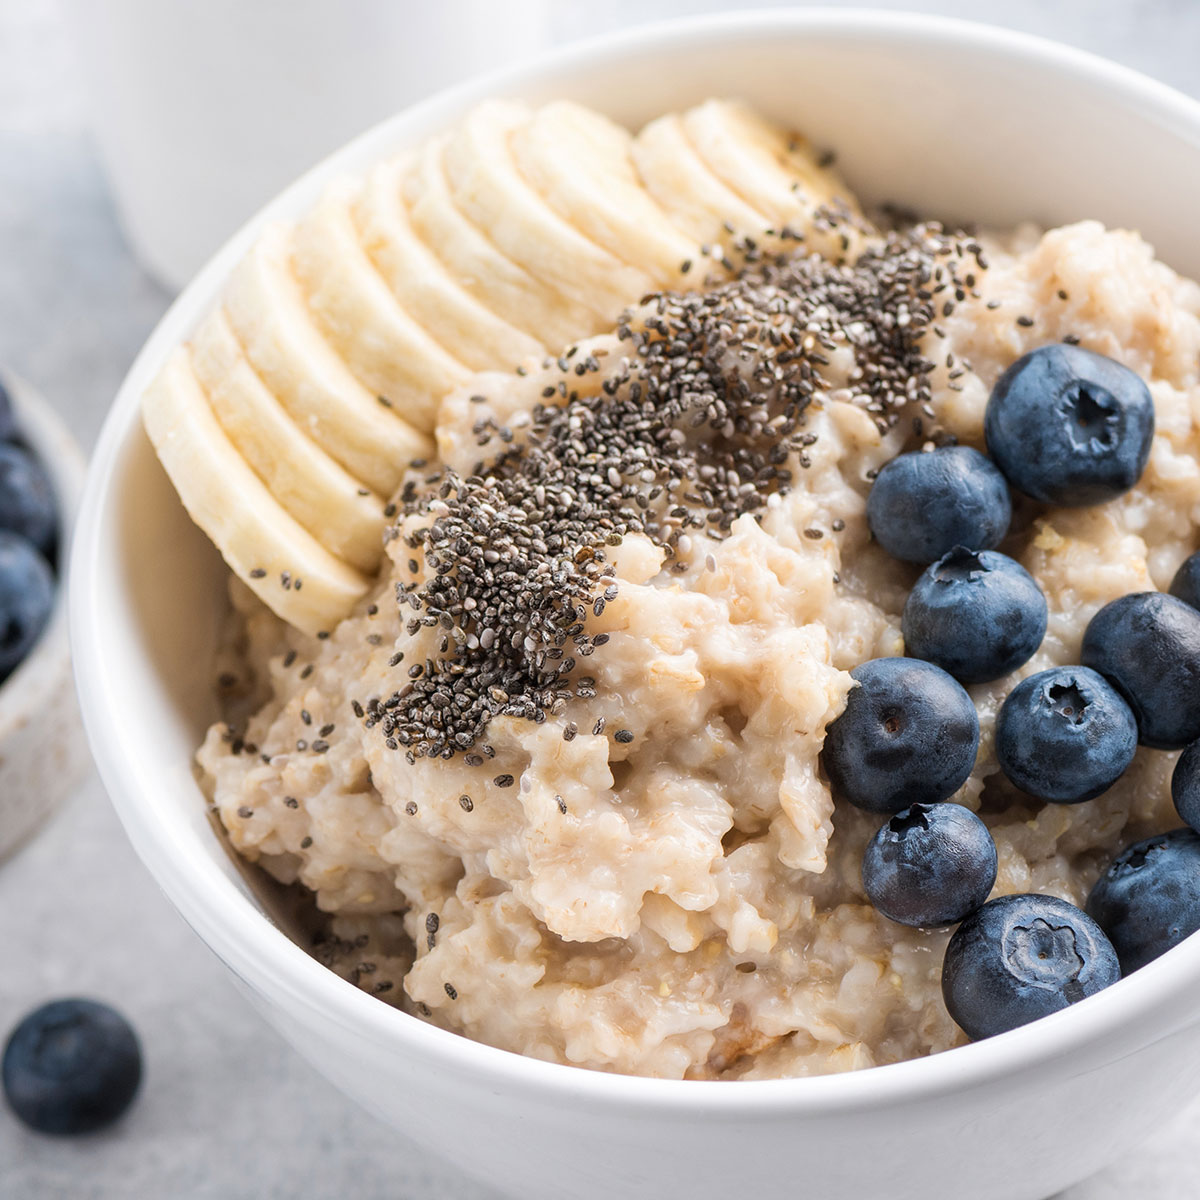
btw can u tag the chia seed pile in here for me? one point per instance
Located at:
(701, 421)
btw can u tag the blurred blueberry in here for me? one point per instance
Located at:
(1185, 786)
(976, 613)
(27, 503)
(908, 735)
(925, 503)
(930, 865)
(72, 1066)
(1065, 735)
(1067, 426)
(8, 419)
(26, 598)
(1147, 645)
(1022, 957)
(1186, 584)
(1149, 898)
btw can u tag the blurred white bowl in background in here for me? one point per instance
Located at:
(203, 111)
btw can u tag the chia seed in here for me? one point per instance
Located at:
(701, 422)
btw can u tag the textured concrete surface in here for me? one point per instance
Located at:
(229, 1111)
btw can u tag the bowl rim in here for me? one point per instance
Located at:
(276, 967)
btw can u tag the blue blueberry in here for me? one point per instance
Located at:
(1065, 735)
(1067, 426)
(26, 599)
(908, 735)
(8, 419)
(925, 503)
(930, 865)
(1186, 584)
(1147, 645)
(1185, 786)
(27, 504)
(1149, 898)
(976, 613)
(72, 1066)
(1022, 957)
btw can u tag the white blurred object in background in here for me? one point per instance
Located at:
(205, 108)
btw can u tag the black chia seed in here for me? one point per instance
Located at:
(700, 423)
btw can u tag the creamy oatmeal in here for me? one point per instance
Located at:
(636, 864)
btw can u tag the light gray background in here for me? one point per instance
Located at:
(228, 1110)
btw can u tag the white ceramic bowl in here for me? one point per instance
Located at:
(949, 118)
(42, 751)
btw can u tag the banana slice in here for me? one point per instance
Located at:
(284, 564)
(381, 343)
(678, 178)
(471, 332)
(775, 173)
(267, 312)
(580, 163)
(490, 190)
(321, 495)
(475, 262)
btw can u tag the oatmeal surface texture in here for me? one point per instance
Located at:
(672, 891)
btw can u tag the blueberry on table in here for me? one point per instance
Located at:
(26, 598)
(930, 865)
(908, 735)
(1022, 957)
(975, 613)
(71, 1066)
(1149, 898)
(27, 504)
(1070, 427)
(925, 503)
(1186, 584)
(1185, 786)
(1147, 645)
(1065, 735)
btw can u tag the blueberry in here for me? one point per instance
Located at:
(72, 1066)
(908, 735)
(1185, 786)
(8, 420)
(1065, 735)
(1022, 957)
(1149, 898)
(1147, 645)
(930, 865)
(1186, 584)
(975, 613)
(27, 505)
(1068, 426)
(26, 598)
(925, 503)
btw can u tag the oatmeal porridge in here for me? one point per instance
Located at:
(553, 775)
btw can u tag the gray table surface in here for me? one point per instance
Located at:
(228, 1109)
